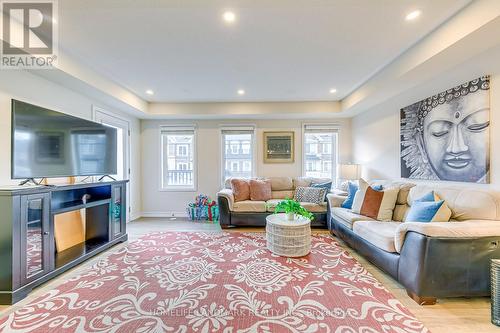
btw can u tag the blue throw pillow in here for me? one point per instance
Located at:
(424, 211)
(327, 186)
(377, 187)
(351, 191)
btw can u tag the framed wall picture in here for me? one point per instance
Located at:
(447, 136)
(279, 147)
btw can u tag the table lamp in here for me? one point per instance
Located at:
(348, 172)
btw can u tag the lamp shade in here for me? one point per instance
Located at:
(349, 171)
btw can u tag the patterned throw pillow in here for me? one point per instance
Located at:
(310, 194)
(327, 186)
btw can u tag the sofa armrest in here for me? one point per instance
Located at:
(335, 200)
(465, 229)
(227, 194)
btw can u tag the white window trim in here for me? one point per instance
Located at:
(100, 113)
(253, 149)
(178, 188)
(321, 127)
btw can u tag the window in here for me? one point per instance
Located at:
(237, 148)
(245, 147)
(182, 150)
(178, 157)
(320, 151)
(327, 148)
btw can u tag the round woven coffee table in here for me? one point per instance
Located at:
(288, 238)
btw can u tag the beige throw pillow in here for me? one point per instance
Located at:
(378, 205)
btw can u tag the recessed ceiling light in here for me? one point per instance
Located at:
(333, 91)
(413, 15)
(229, 17)
(150, 92)
(241, 92)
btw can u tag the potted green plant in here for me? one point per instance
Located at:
(291, 208)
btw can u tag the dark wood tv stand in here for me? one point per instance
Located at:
(28, 255)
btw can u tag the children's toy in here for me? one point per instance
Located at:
(203, 209)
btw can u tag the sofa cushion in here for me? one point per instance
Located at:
(281, 183)
(400, 213)
(241, 189)
(347, 217)
(283, 194)
(249, 206)
(452, 229)
(380, 234)
(301, 182)
(315, 208)
(310, 194)
(335, 200)
(307, 181)
(271, 204)
(260, 189)
(404, 190)
(465, 203)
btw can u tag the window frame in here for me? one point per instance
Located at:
(328, 128)
(165, 129)
(253, 148)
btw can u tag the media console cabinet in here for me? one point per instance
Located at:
(28, 255)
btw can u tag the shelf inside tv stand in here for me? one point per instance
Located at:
(28, 217)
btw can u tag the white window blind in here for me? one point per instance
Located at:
(178, 149)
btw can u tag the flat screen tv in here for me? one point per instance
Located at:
(46, 143)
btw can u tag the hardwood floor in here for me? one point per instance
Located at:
(448, 315)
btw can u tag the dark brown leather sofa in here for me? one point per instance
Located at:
(228, 218)
(432, 260)
(254, 213)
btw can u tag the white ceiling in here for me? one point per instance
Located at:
(277, 50)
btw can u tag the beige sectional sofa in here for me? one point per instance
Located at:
(253, 213)
(435, 259)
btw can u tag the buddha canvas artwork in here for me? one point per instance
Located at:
(447, 136)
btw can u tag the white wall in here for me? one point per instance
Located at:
(24, 86)
(375, 133)
(155, 202)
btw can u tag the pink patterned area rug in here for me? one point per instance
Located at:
(217, 282)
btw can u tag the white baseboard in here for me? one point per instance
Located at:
(135, 216)
(164, 214)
